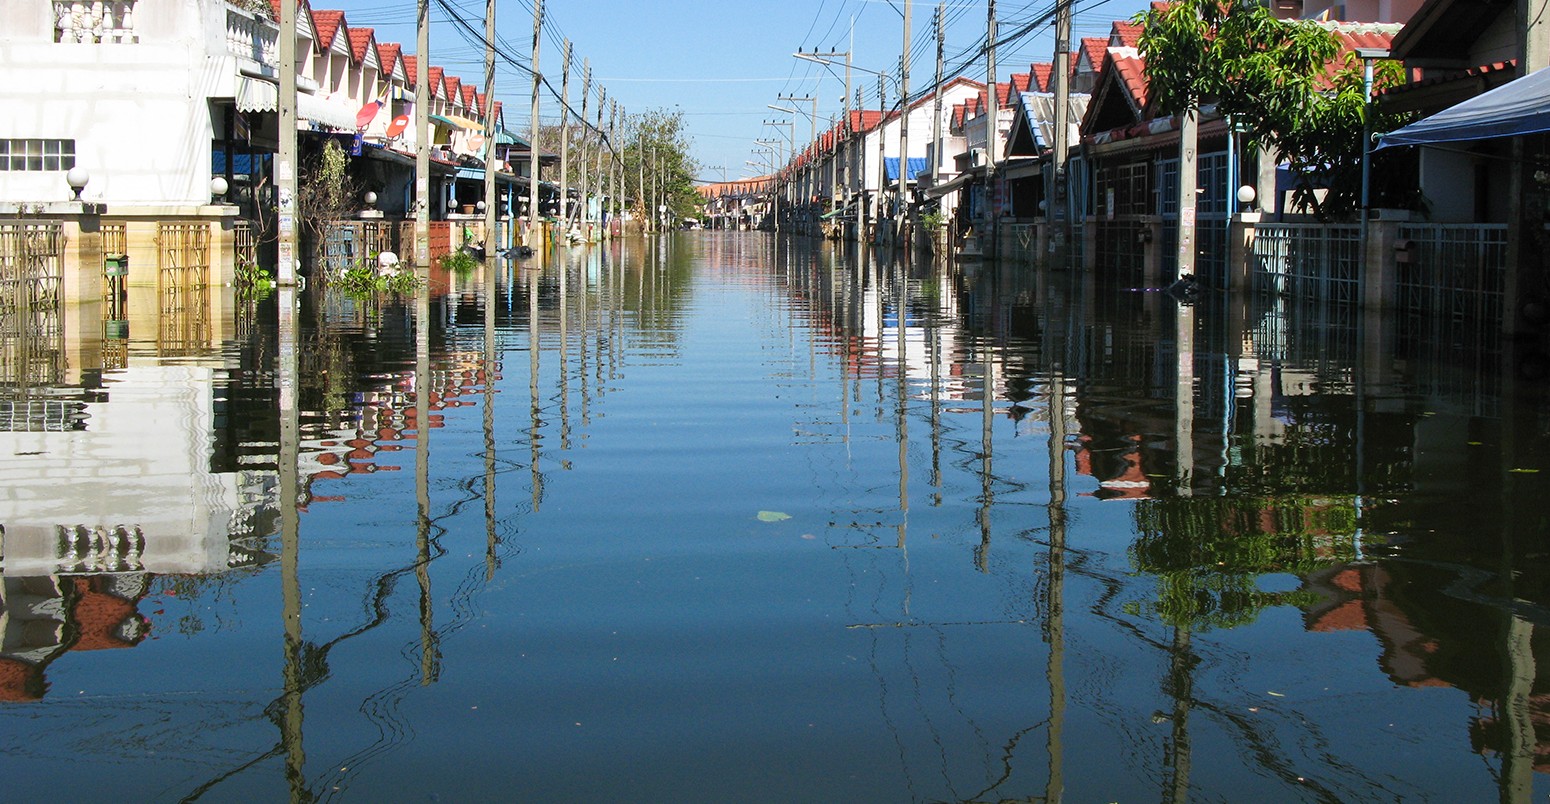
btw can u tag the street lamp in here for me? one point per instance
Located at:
(1368, 55)
(77, 177)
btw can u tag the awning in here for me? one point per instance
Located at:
(948, 186)
(1022, 167)
(458, 122)
(255, 95)
(1513, 109)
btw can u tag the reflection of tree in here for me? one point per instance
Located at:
(1208, 552)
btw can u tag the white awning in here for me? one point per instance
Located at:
(255, 95)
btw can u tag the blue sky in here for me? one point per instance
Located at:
(722, 62)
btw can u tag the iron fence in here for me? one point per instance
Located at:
(31, 334)
(1307, 261)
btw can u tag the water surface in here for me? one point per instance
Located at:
(721, 518)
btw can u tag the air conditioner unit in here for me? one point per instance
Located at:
(976, 157)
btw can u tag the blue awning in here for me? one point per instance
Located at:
(241, 163)
(1511, 110)
(917, 167)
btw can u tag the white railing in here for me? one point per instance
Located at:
(253, 38)
(95, 21)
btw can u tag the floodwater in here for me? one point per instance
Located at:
(716, 518)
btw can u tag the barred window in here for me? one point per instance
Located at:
(36, 154)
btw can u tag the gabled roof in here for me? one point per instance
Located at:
(436, 76)
(1092, 51)
(1125, 34)
(360, 43)
(1120, 97)
(471, 97)
(1041, 75)
(452, 88)
(327, 24)
(389, 56)
(1033, 126)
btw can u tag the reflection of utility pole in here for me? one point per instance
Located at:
(987, 495)
(1184, 399)
(429, 653)
(1057, 584)
(1181, 682)
(291, 717)
(490, 372)
(532, 381)
(900, 303)
(564, 364)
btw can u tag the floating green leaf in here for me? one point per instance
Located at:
(773, 516)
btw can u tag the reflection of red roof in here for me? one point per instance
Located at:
(20, 682)
(99, 616)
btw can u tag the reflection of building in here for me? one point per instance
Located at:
(122, 486)
(43, 617)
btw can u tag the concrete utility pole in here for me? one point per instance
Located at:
(565, 143)
(581, 184)
(992, 125)
(491, 242)
(1056, 207)
(422, 141)
(882, 158)
(936, 102)
(903, 198)
(1189, 137)
(285, 161)
(534, 219)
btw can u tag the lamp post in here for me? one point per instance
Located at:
(77, 177)
(1368, 55)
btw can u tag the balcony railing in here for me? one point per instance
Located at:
(95, 21)
(254, 39)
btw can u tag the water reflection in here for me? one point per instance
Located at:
(850, 527)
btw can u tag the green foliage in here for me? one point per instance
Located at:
(1209, 552)
(251, 280)
(459, 262)
(658, 147)
(362, 280)
(932, 219)
(1267, 76)
(326, 193)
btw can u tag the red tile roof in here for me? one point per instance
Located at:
(360, 40)
(1093, 48)
(452, 86)
(435, 74)
(471, 98)
(1510, 65)
(411, 70)
(1130, 69)
(1020, 81)
(1125, 34)
(1353, 35)
(327, 23)
(1042, 73)
(389, 54)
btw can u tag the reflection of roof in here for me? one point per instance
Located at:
(105, 620)
(19, 681)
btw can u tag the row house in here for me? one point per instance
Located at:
(154, 113)
(850, 175)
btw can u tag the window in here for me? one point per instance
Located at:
(37, 155)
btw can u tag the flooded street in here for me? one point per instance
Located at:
(721, 517)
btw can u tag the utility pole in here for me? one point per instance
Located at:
(565, 143)
(535, 223)
(1055, 209)
(936, 105)
(992, 125)
(903, 198)
(581, 184)
(285, 162)
(882, 159)
(491, 242)
(422, 142)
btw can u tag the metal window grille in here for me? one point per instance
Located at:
(31, 334)
(183, 251)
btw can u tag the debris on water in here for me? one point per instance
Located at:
(773, 516)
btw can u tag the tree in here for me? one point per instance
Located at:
(658, 170)
(326, 194)
(1270, 77)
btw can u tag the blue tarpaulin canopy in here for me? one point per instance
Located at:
(917, 167)
(1513, 109)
